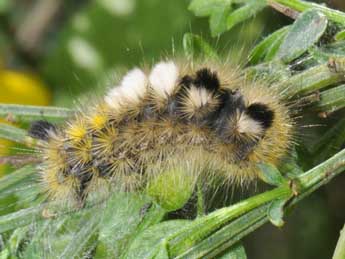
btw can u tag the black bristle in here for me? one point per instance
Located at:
(40, 129)
(186, 81)
(261, 113)
(207, 79)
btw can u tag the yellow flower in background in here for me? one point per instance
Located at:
(20, 88)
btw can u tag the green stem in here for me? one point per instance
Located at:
(309, 81)
(29, 112)
(332, 99)
(339, 252)
(220, 241)
(189, 240)
(301, 6)
(202, 227)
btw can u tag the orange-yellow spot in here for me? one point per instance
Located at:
(76, 132)
(97, 121)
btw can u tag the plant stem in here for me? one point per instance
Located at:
(339, 252)
(309, 81)
(331, 100)
(301, 6)
(29, 112)
(188, 241)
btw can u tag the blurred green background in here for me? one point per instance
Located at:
(55, 52)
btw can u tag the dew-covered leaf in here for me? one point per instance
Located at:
(305, 32)
(150, 243)
(20, 218)
(16, 177)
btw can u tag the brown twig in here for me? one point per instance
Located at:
(284, 10)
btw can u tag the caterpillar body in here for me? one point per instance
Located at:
(197, 119)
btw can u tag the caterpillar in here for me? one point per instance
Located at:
(200, 119)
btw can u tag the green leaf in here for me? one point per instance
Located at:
(126, 214)
(235, 252)
(17, 237)
(270, 174)
(218, 20)
(340, 36)
(194, 45)
(5, 254)
(16, 177)
(245, 12)
(207, 7)
(30, 113)
(260, 51)
(14, 134)
(20, 218)
(151, 242)
(81, 238)
(163, 253)
(5, 6)
(275, 212)
(305, 32)
(274, 48)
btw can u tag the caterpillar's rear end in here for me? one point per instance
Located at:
(201, 120)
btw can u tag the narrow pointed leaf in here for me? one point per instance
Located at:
(30, 112)
(14, 134)
(271, 175)
(260, 51)
(245, 12)
(276, 212)
(16, 177)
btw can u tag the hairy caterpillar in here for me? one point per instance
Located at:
(196, 119)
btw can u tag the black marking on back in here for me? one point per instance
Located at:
(186, 81)
(40, 129)
(261, 113)
(203, 78)
(207, 79)
(231, 102)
